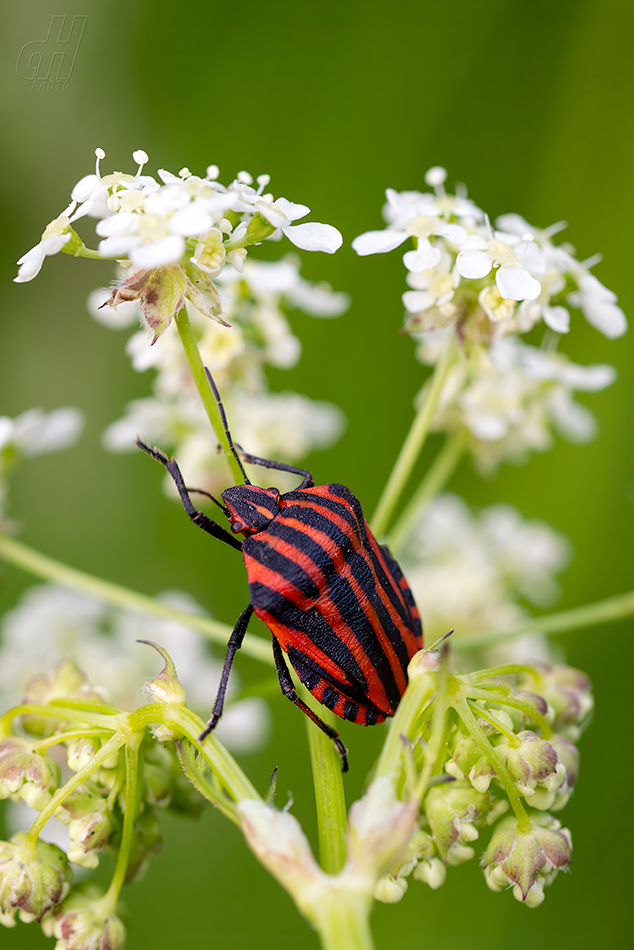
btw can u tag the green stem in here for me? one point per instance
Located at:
(204, 784)
(202, 384)
(603, 611)
(490, 696)
(329, 797)
(24, 557)
(180, 719)
(98, 720)
(404, 723)
(342, 922)
(109, 901)
(441, 470)
(113, 745)
(412, 445)
(464, 711)
(43, 744)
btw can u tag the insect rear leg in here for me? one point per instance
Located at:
(234, 644)
(198, 517)
(287, 687)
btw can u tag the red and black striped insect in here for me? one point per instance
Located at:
(335, 601)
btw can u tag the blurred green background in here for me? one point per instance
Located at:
(530, 105)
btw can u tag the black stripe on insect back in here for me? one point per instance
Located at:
(260, 550)
(311, 674)
(313, 625)
(359, 567)
(352, 610)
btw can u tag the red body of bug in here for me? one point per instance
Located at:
(335, 601)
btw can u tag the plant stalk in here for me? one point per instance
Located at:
(329, 797)
(342, 921)
(441, 470)
(412, 446)
(202, 384)
(40, 565)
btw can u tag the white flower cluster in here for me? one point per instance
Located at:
(32, 433)
(51, 623)
(484, 288)
(471, 572)
(155, 223)
(273, 425)
(464, 272)
(510, 397)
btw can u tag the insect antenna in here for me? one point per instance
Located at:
(201, 491)
(223, 416)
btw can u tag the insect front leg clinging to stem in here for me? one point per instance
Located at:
(287, 687)
(235, 642)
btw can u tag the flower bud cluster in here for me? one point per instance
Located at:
(34, 876)
(519, 755)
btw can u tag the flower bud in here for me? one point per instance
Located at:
(535, 763)
(66, 681)
(89, 823)
(466, 754)
(451, 810)
(24, 772)
(32, 879)
(431, 871)
(380, 827)
(569, 693)
(390, 890)
(80, 924)
(482, 774)
(80, 751)
(159, 291)
(524, 857)
(166, 687)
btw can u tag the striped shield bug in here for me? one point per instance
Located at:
(336, 602)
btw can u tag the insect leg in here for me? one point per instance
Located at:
(280, 467)
(235, 642)
(198, 517)
(290, 692)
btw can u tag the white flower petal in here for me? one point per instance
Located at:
(416, 301)
(473, 264)
(378, 242)
(191, 220)
(589, 379)
(606, 317)
(85, 187)
(117, 247)
(125, 222)
(38, 433)
(6, 431)
(423, 258)
(168, 178)
(557, 318)
(272, 214)
(515, 283)
(453, 232)
(292, 211)
(574, 421)
(168, 250)
(314, 237)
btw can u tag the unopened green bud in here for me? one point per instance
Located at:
(432, 872)
(66, 681)
(482, 774)
(523, 857)
(32, 878)
(166, 687)
(89, 823)
(466, 754)
(451, 810)
(569, 692)
(535, 763)
(26, 773)
(80, 751)
(80, 923)
(390, 890)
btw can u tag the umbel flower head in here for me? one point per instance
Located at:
(487, 281)
(529, 860)
(176, 233)
(82, 923)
